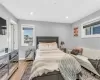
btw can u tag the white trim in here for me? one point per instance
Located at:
(12, 21)
(86, 23)
(90, 21)
(22, 33)
(91, 36)
(21, 58)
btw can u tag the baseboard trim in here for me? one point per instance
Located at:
(21, 59)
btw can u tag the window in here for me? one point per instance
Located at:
(91, 29)
(88, 31)
(28, 33)
(96, 29)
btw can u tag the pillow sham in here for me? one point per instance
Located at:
(43, 46)
(53, 45)
(80, 50)
(43, 43)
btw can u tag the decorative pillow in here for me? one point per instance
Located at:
(43, 43)
(75, 52)
(80, 50)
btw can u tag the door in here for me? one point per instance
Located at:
(12, 37)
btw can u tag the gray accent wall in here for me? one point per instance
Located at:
(4, 13)
(63, 31)
(93, 43)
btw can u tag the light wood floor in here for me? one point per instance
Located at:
(20, 71)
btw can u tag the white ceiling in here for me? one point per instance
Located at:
(52, 10)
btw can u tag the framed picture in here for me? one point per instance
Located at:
(28, 35)
(76, 31)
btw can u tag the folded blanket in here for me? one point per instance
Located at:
(96, 64)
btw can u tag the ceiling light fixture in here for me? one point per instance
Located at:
(66, 17)
(31, 13)
(54, 2)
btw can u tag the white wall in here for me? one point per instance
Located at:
(3, 42)
(63, 31)
(4, 13)
(93, 43)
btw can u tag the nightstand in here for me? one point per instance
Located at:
(29, 54)
(64, 50)
(69, 51)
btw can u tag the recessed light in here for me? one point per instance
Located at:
(31, 13)
(54, 2)
(66, 17)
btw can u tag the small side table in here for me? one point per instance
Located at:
(64, 50)
(29, 54)
(69, 50)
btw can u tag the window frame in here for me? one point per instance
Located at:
(97, 26)
(83, 35)
(22, 34)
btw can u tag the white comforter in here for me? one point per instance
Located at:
(46, 61)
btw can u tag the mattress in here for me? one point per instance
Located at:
(86, 64)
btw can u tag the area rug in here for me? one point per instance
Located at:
(86, 75)
(27, 72)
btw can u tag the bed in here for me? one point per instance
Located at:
(86, 63)
(54, 75)
(48, 57)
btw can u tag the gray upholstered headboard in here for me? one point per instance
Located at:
(46, 39)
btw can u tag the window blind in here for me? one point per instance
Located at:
(92, 24)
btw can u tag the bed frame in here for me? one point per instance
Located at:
(55, 75)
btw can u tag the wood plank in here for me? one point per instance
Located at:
(18, 74)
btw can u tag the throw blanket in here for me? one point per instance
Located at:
(96, 64)
(69, 67)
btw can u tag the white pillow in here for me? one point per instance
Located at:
(53, 45)
(43, 46)
(43, 43)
